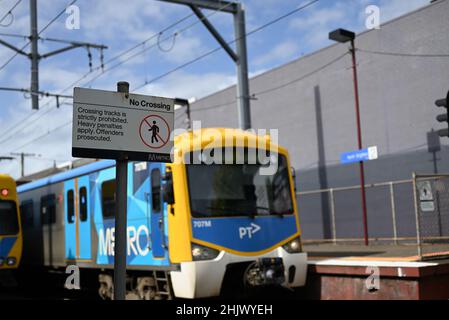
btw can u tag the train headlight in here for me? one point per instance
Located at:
(293, 246)
(203, 253)
(10, 261)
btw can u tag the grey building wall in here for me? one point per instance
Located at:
(315, 116)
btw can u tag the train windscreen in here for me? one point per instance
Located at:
(8, 218)
(223, 190)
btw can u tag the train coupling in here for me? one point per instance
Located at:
(265, 271)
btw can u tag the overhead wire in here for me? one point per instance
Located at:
(204, 55)
(21, 121)
(122, 54)
(9, 13)
(42, 30)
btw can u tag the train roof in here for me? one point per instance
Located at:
(215, 137)
(92, 167)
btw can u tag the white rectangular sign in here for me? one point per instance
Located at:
(113, 125)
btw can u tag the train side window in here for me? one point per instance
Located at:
(156, 190)
(48, 209)
(26, 212)
(140, 174)
(70, 206)
(83, 204)
(108, 199)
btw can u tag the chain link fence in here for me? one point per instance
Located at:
(431, 195)
(407, 212)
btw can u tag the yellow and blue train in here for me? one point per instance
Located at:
(10, 226)
(194, 228)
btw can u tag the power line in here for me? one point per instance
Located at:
(269, 23)
(22, 125)
(301, 78)
(21, 122)
(56, 17)
(43, 135)
(200, 57)
(9, 13)
(13, 56)
(397, 54)
(215, 106)
(277, 87)
(120, 55)
(145, 49)
(29, 41)
(13, 35)
(150, 38)
(39, 93)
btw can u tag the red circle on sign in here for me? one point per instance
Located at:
(144, 121)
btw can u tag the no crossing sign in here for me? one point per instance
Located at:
(114, 125)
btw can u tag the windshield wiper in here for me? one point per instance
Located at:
(281, 214)
(251, 213)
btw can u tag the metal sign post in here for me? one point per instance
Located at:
(121, 175)
(125, 127)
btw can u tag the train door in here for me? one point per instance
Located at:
(70, 225)
(77, 219)
(84, 225)
(48, 218)
(157, 211)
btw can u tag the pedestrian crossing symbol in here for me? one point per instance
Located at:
(154, 131)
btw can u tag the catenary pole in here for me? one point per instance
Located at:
(34, 56)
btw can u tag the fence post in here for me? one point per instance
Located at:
(334, 226)
(393, 213)
(418, 224)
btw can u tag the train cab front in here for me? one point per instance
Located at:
(10, 230)
(244, 225)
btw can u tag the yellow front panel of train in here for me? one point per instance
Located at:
(10, 225)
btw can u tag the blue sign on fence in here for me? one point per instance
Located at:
(359, 155)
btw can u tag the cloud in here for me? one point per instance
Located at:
(111, 19)
(279, 54)
(57, 145)
(181, 48)
(390, 9)
(121, 24)
(315, 26)
(180, 84)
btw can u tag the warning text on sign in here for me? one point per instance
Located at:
(110, 125)
(99, 124)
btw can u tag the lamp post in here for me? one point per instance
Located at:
(343, 36)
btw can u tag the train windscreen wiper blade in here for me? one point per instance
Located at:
(233, 211)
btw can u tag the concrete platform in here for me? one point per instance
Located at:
(402, 252)
(345, 272)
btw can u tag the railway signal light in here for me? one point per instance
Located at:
(443, 103)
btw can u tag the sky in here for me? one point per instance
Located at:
(122, 25)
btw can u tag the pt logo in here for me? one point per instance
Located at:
(248, 231)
